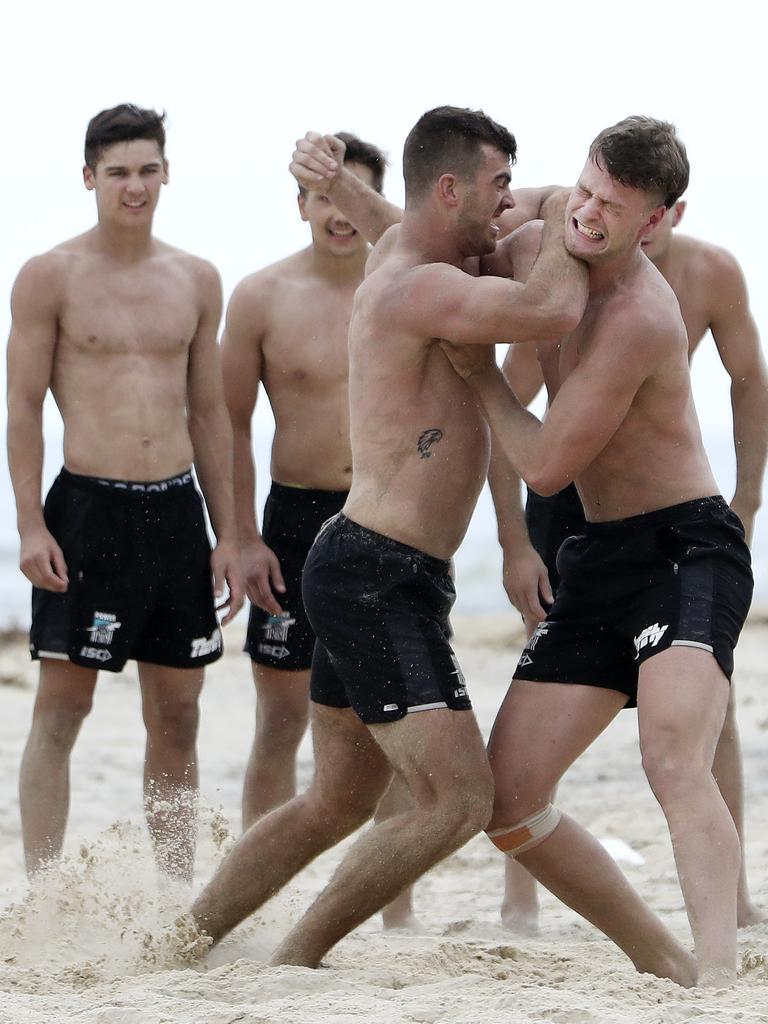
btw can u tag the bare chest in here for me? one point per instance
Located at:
(129, 314)
(306, 346)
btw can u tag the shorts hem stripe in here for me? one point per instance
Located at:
(693, 643)
(428, 707)
(58, 655)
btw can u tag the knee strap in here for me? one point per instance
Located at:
(515, 839)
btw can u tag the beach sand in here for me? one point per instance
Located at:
(72, 949)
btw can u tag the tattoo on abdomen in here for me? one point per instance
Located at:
(426, 439)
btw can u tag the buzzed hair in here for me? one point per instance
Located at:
(644, 153)
(449, 140)
(123, 123)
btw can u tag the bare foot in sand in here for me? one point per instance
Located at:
(398, 915)
(748, 914)
(183, 944)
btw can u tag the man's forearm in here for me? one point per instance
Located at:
(244, 480)
(515, 430)
(363, 206)
(750, 435)
(25, 463)
(212, 445)
(504, 483)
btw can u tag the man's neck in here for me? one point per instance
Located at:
(430, 239)
(339, 270)
(606, 277)
(125, 245)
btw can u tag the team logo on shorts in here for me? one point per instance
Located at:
(278, 651)
(649, 636)
(203, 645)
(103, 629)
(276, 627)
(541, 630)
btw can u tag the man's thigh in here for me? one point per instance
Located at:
(682, 700)
(540, 730)
(349, 764)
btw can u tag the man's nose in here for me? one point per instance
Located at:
(507, 201)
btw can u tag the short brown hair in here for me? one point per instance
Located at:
(449, 140)
(644, 153)
(123, 123)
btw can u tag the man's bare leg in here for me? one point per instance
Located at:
(170, 707)
(351, 775)
(64, 698)
(682, 699)
(441, 757)
(540, 731)
(520, 906)
(282, 711)
(398, 913)
(729, 776)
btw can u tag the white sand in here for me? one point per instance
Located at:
(70, 950)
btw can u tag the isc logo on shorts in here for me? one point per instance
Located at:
(95, 653)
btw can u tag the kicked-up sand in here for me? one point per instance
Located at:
(80, 946)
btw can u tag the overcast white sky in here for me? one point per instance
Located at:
(242, 80)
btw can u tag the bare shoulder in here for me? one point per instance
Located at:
(42, 279)
(645, 322)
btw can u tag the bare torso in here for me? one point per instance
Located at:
(305, 371)
(420, 445)
(688, 267)
(656, 457)
(120, 364)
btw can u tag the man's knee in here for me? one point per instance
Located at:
(281, 726)
(527, 833)
(58, 718)
(670, 766)
(172, 723)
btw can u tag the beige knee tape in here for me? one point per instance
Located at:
(515, 839)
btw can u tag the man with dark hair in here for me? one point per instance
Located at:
(655, 589)
(287, 327)
(387, 691)
(122, 328)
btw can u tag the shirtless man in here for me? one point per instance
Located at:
(287, 326)
(122, 328)
(654, 591)
(387, 691)
(710, 288)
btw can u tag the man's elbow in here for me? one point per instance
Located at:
(546, 480)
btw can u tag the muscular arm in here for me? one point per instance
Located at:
(31, 348)
(738, 343)
(442, 301)
(243, 360)
(588, 409)
(211, 435)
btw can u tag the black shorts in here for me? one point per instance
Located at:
(292, 518)
(631, 588)
(550, 522)
(138, 561)
(380, 610)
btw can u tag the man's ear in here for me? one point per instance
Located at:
(302, 206)
(166, 171)
(88, 178)
(654, 219)
(447, 189)
(677, 211)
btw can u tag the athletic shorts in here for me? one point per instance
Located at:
(550, 522)
(138, 561)
(379, 610)
(631, 588)
(292, 519)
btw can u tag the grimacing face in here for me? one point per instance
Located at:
(332, 232)
(483, 202)
(605, 218)
(127, 180)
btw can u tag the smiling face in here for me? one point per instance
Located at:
(127, 180)
(482, 200)
(332, 233)
(605, 219)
